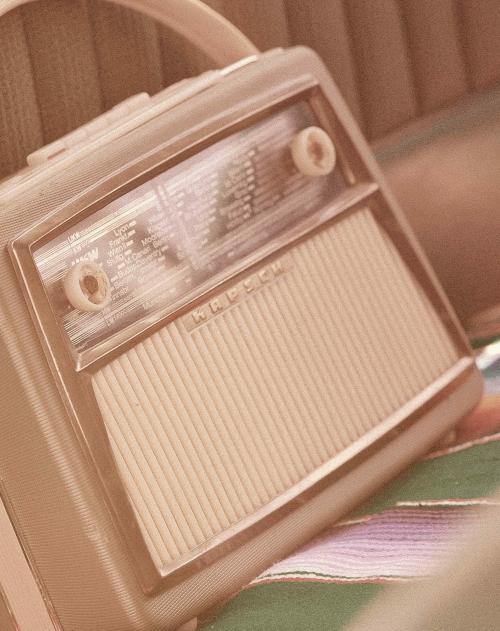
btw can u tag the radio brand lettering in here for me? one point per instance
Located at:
(237, 293)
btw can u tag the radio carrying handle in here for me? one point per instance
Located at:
(202, 26)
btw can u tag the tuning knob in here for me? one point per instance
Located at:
(87, 287)
(313, 152)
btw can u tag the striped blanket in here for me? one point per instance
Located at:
(402, 534)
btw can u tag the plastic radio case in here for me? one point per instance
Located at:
(210, 350)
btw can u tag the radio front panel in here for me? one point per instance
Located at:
(233, 329)
(187, 229)
(214, 426)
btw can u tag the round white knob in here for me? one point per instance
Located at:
(313, 152)
(87, 287)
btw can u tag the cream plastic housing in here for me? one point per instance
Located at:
(88, 448)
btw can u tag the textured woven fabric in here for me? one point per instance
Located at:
(400, 543)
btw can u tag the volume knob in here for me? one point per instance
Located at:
(313, 152)
(87, 287)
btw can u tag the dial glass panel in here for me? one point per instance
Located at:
(189, 228)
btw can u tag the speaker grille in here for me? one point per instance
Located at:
(209, 425)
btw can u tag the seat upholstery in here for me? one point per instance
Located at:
(64, 61)
(444, 169)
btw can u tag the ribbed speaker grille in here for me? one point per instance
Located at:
(209, 425)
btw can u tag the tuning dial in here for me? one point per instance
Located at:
(87, 287)
(313, 152)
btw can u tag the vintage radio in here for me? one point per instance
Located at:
(217, 335)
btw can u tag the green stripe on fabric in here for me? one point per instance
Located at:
(293, 606)
(314, 606)
(468, 474)
(481, 342)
